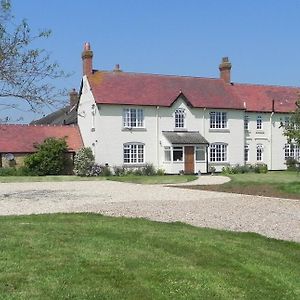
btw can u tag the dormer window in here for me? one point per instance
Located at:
(133, 118)
(180, 118)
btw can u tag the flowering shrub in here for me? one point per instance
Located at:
(84, 161)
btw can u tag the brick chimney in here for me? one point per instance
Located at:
(87, 59)
(225, 68)
(73, 98)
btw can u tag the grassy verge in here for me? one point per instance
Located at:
(283, 184)
(88, 256)
(129, 178)
(166, 179)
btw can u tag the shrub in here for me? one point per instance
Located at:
(95, 170)
(50, 158)
(160, 172)
(291, 164)
(238, 169)
(148, 170)
(105, 171)
(119, 171)
(8, 172)
(83, 162)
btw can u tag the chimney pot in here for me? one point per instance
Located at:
(117, 68)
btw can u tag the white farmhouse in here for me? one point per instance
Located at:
(180, 123)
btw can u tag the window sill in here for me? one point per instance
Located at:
(133, 165)
(219, 130)
(180, 129)
(134, 129)
(216, 163)
(259, 131)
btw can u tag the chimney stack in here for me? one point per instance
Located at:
(225, 68)
(73, 98)
(87, 59)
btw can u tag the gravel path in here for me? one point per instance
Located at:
(272, 217)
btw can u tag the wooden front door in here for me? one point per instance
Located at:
(189, 167)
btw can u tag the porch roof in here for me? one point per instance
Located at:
(185, 138)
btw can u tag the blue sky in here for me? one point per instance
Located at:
(187, 37)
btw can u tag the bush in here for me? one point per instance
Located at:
(8, 172)
(238, 169)
(50, 158)
(105, 171)
(160, 172)
(83, 162)
(291, 164)
(119, 171)
(148, 170)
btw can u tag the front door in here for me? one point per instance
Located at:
(189, 167)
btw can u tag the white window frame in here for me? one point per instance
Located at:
(179, 118)
(199, 149)
(133, 153)
(259, 122)
(218, 152)
(291, 151)
(168, 153)
(259, 152)
(133, 118)
(246, 122)
(218, 120)
(178, 148)
(246, 153)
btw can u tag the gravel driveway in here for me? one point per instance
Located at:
(272, 217)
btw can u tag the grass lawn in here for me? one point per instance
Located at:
(283, 184)
(88, 256)
(154, 179)
(130, 178)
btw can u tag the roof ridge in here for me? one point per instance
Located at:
(268, 85)
(157, 74)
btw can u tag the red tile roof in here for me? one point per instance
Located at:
(162, 90)
(22, 138)
(260, 97)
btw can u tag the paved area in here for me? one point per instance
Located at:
(272, 217)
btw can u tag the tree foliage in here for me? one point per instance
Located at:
(292, 128)
(25, 71)
(50, 158)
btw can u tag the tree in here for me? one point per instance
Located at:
(50, 158)
(292, 128)
(25, 71)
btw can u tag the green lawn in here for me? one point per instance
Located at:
(87, 256)
(166, 179)
(283, 184)
(129, 178)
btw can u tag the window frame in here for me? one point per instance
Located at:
(246, 153)
(199, 149)
(259, 123)
(246, 122)
(179, 118)
(133, 118)
(218, 120)
(134, 156)
(259, 152)
(293, 151)
(218, 152)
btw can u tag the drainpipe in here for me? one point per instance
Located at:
(203, 121)
(271, 138)
(157, 135)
